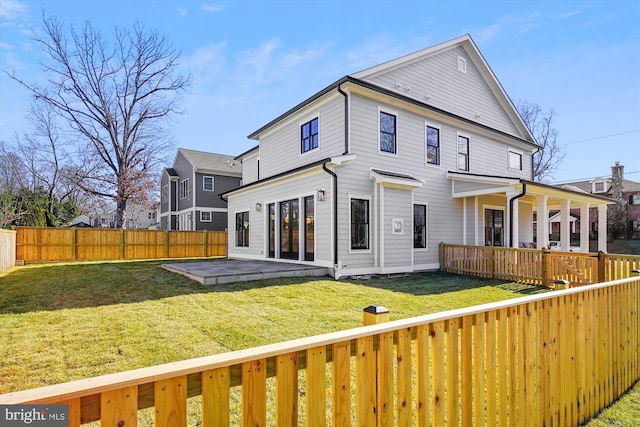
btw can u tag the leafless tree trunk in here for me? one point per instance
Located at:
(115, 97)
(540, 123)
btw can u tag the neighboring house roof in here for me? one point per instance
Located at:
(212, 162)
(628, 186)
(81, 221)
(171, 172)
(470, 47)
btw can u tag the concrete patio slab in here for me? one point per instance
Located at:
(230, 271)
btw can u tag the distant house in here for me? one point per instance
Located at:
(624, 215)
(190, 190)
(370, 174)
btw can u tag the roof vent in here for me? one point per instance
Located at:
(462, 64)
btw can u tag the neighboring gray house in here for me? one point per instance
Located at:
(370, 174)
(190, 190)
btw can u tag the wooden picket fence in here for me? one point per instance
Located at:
(41, 244)
(552, 359)
(539, 267)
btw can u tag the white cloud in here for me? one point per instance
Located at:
(11, 9)
(182, 12)
(212, 8)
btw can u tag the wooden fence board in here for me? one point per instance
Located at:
(40, 244)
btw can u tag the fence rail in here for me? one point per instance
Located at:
(39, 244)
(7, 249)
(539, 267)
(555, 358)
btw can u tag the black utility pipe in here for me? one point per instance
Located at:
(524, 191)
(335, 211)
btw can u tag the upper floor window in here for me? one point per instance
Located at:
(359, 224)
(207, 183)
(463, 153)
(635, 199)
(165, 192)
(309, 135)
(433, 145)
(598, 187)
(387, 132)
(184, 188)
(515, 160)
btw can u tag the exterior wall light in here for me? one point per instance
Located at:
(321, 195)
(258, 206)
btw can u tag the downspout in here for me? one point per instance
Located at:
(346, 120)
(524, 191)
(335, 211)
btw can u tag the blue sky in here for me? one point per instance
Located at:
(253, 60)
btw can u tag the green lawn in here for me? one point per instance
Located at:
(70, 321)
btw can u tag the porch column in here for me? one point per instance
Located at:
(514, 219)
(565, 225)
(542, 220)
(476, 234)
(602, 228)
(584, 227)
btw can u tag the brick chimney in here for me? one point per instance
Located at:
(617, 217)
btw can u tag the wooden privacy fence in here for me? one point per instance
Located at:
(39, 244)
(539, 267)
(7, 249)
(552, 359)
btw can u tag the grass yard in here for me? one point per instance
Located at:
(69, 321)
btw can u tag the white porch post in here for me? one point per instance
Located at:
(602, 228)
(464, 221)
(565, 225)
(475, 221)
(584, 227)
(515, 218)
(542, 220)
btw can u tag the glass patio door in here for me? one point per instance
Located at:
(289, 229)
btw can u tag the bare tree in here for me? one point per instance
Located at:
(116, 97)
(540, 123)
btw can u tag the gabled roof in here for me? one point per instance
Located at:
(361, 79)
(211, 162)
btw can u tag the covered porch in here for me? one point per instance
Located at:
(499, 211)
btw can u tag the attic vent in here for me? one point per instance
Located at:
(462, 64)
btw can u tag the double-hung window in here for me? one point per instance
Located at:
(242, 229)
(515, 160)
(184, 188)
(388, 132)
(359, 224)
(309, 136)
(433, 145)
(207, 183)
(419, 226)
(463, 153)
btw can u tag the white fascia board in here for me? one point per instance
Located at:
(482, 179)
(342, 160)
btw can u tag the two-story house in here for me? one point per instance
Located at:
(190, 190)
(624, 214)
(373, 172)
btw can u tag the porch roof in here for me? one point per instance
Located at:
(470, 185)
(394, 178)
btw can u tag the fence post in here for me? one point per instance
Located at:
(602, 267)
(74, 254)
(492, 262)
(442, 265)
(545, 266)
(204, 243)
(166, 243)
(122, 243)
(375, 314)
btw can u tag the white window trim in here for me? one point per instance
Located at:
(464, 135)
(434, 126)
(426, 228)
(397, 116)
(306, 119)
(213, 182)
(635, 199)
(187, 189)
(369, 249)
(604, 186)
(504, 221)
(206, 220)
(514, 151)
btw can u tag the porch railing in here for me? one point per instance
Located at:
(555, 358)
(540, 267)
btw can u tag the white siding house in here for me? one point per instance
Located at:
(372, 173)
